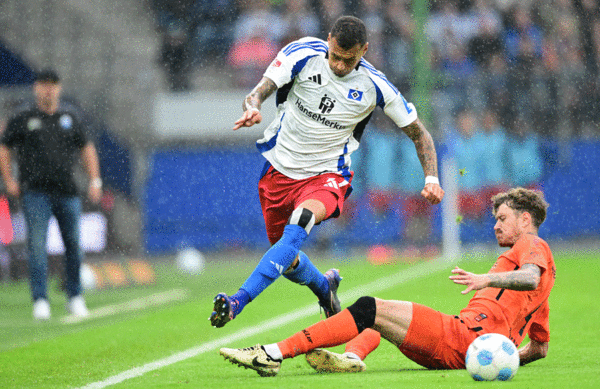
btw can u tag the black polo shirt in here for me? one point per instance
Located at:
(47, 148)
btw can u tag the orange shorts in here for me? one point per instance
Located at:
(280, 195)
(436, 340)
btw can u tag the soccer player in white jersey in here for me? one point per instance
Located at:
(326, 94)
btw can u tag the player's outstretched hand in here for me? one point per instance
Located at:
(249, 118)
(433, 193)
(472, 280)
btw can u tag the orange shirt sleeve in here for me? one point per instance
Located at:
(540, 326)
(530, 249)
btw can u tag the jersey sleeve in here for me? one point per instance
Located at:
(81, 132)
(80, 137)
(531, 250)
(392, 102)
(400, 111)
(540, 325)
(292, 59)
(13, 133)
(81, 126)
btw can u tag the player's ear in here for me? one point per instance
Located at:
(365, 48)
(526, 219)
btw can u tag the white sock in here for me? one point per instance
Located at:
(352, 356)
(273, 351)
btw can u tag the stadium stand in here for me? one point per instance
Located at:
(532, 66)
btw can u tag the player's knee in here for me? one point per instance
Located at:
(363, 311)
(302, 217)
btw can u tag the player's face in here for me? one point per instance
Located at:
(509, 226)
(343, 61)
(47, 94)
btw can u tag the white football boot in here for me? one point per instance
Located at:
(328, 362)
(254, 358)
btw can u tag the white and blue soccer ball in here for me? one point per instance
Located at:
(492, 357)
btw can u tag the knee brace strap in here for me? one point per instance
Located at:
(363, 311)
(303, 218)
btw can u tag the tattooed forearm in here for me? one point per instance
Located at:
(260, 93)
(423, 141)
(527, 278)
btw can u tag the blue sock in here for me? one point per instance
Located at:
(307, 274)
(239, 300)
(275, 261)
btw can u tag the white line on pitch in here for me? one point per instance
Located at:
(414, 272)
(128, 306)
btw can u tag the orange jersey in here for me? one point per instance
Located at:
(511, 312)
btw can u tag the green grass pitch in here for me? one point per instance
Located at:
(56, 355)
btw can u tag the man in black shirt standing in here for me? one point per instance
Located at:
(48, 138)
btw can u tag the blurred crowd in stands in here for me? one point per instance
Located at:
(505, 74)
(527, 60)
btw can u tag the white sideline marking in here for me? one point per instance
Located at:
(132, 305)
(416, 271)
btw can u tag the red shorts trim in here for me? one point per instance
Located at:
(436, 340)
(280, 195)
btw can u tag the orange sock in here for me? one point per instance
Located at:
(334, 331)
(365, 343)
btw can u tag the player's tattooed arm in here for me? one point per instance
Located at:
(526, 278)
(260, 93)
(252, 103)
(423, 141)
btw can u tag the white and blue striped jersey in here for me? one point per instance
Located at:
(320, 116)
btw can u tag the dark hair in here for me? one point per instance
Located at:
(523, 200)
(47, 75)
(349, 31)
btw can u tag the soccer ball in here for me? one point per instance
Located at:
(492, 357)
(190, 261)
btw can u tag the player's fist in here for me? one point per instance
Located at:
(433, 193)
